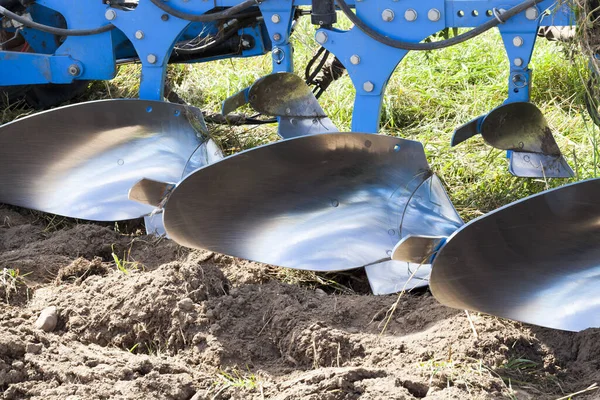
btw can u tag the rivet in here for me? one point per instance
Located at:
(518, 61)
(277, 37)
(110, 15)
(531, 13)
(518, 41)
(164, 17)
(355, 60)
(74, 70)
(335, 203)
(368, 86)
(275, 18)
(434, 15)
(387, 15)
(139, 35)
(152, 58)
(410, 15)
(321, 37)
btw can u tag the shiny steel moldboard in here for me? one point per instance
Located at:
(535, 261)
(80, 161)
(323, 202)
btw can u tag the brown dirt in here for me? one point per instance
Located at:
(174, 324)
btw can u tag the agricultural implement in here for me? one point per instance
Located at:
(318, 199)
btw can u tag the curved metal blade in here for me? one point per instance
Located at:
(323, 202)
(428, 213)
(80, 161)
(417, 249)
(536, 165)
(284, 94)
(466, 131)
(535, 261)
(521, 127)
(395, 276)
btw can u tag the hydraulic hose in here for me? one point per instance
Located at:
(51, 29)
(500, 18)
(226, 14)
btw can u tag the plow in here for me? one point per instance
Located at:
(318, 199)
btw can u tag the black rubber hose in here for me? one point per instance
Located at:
(227, 14)
(53, 30)
(511, 12)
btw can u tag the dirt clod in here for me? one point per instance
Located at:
(198, 325)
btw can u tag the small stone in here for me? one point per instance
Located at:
(33, 348)
(18, 364)
(47, 319)
(186, 304)
(320, 292)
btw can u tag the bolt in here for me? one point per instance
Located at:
(387, 15)
(110, 15)
(164, 17)
(368, 86)
(518, 61)
(518, 41)
(275, 18)
(152, 58)
(410, 15)
(355, 60)
(277, 37)
(139, 35)
(321, 37)
(74, 70)
(531, 13)
(434, 15)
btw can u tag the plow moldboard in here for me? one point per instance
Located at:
(323, 202)
(80, 161)
(535, 261)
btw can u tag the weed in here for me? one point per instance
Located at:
(124, 265)
(235, 379)
(10, 281)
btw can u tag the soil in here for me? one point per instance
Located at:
(169, 323)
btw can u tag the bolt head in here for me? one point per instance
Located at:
(368, 86)
(410, 15)
(518, 62)
(531, 13)
(74, 70)
(321, 37)
(355, 60)
(434, 15)
(151, 59)
(277, 37)
(518, 41)
(139, 35)
(275, 18)
(110, 15)
(387, 15)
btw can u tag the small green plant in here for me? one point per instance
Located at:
(235, 379)
(124, 264)
(10, 280)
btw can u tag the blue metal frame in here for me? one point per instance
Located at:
(370, 64)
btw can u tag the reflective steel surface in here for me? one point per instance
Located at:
(390, 277)
(80, 161)
(536, 260)
(322, 202)
(417, 249)
(535, 165)
(429, 212)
